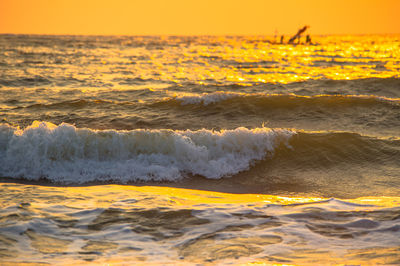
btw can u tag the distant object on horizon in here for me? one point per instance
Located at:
(297, 37)
(298, 34)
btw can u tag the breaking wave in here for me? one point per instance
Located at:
(68, 154)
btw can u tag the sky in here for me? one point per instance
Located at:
(200, 17)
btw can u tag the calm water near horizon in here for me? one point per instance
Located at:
(199, 150)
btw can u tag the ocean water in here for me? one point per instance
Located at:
(199, 150)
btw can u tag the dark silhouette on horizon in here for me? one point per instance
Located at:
(308, 39)
(298, 34)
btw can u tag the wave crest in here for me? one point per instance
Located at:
(282, 99)
(68, 154)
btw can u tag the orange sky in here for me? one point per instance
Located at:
(194, 17)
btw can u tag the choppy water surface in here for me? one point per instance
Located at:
(224, 149)
(122, 224)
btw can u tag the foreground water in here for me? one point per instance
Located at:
(184, 150)
(122, 224)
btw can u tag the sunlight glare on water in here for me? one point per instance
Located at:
(231, 60)
(202, 150)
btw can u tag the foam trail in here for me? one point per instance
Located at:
(220, 96)
(70, 155)
(207, 98)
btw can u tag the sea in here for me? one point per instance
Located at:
(199, 150)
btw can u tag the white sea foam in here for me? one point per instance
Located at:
(208, 98)
(67, 154)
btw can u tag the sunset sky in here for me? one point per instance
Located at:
(189, 17)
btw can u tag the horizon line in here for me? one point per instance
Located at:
(193, 35)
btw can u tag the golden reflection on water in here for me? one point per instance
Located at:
(238, 60)
(243, 61)
(247, 62)
(104, 195)
(165, 215)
